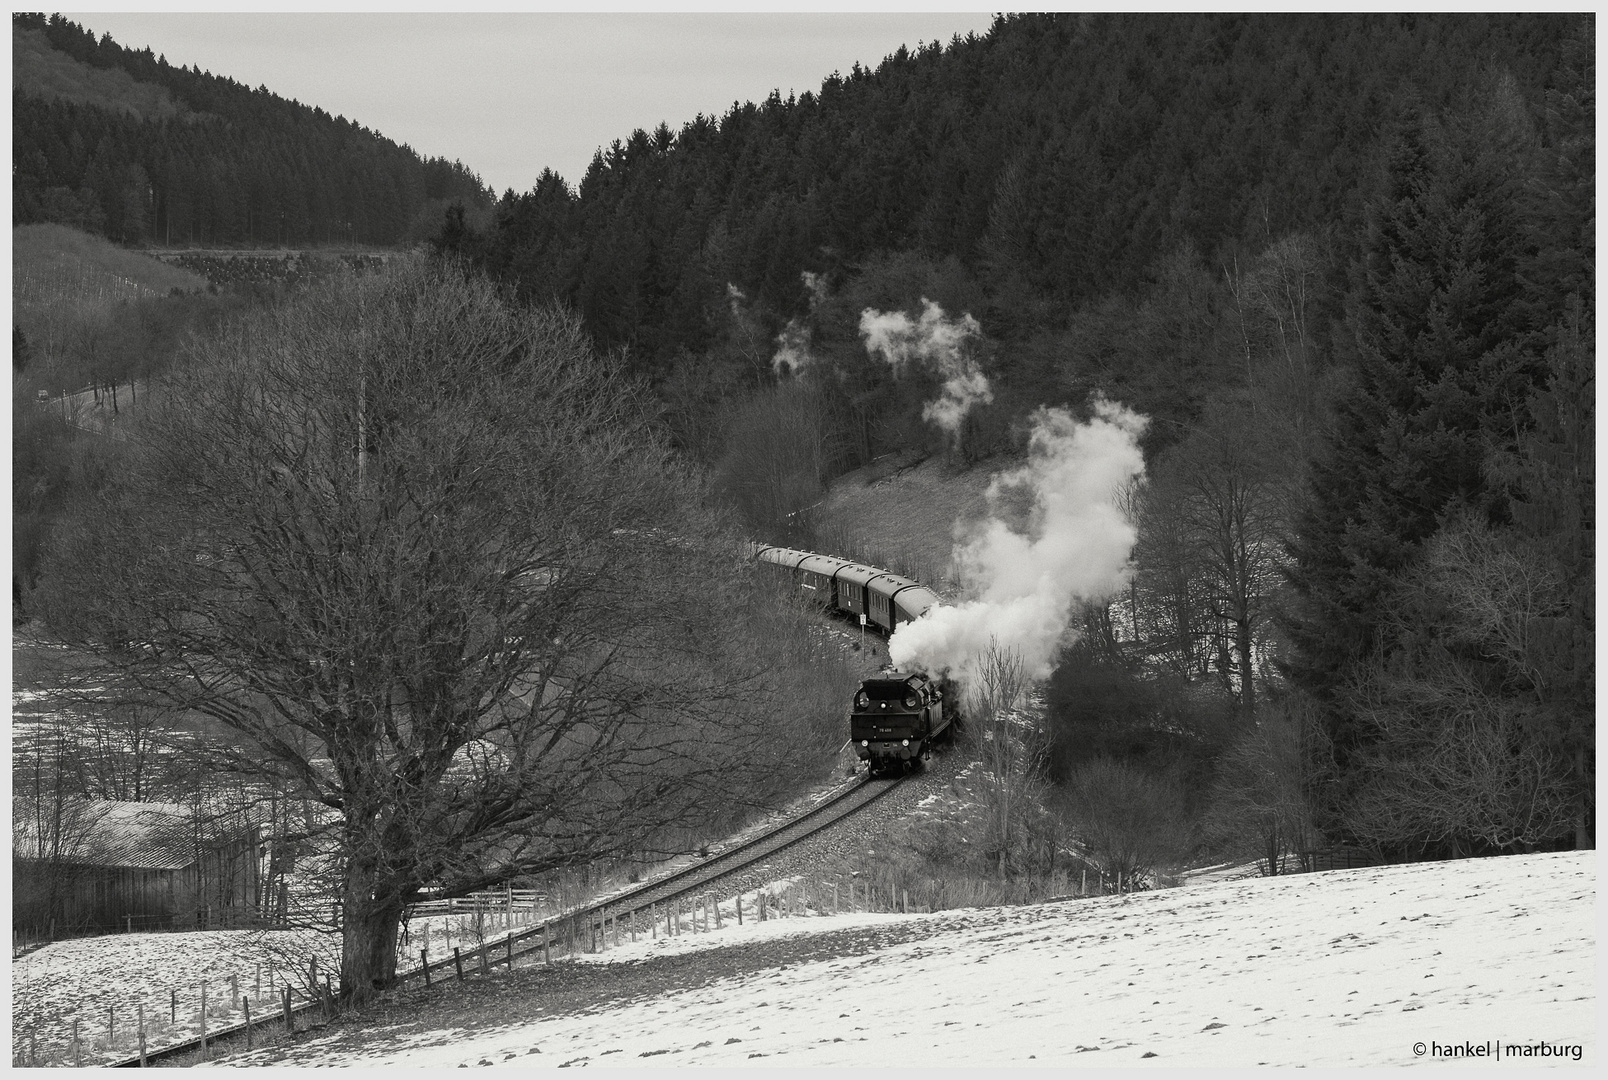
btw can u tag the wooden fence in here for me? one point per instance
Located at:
(478, 903)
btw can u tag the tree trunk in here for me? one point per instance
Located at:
(369, 927)
(1242, 645)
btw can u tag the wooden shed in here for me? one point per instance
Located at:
(97, 866)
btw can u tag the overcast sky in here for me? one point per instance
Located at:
(510, 94)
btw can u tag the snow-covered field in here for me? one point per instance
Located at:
(1383, 966)
(81, 979)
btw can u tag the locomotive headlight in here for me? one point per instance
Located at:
(865, 742)
(905, 743)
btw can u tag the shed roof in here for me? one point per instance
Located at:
(102, 832)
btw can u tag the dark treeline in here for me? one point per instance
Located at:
(1344, 263)
(180, 156)
(1056, 157)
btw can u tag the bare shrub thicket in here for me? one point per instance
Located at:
(1261, 803)
(1467, 748)
(775, 459)
(1129, 823)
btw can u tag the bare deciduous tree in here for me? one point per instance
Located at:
(421, 554)
(1011, 747)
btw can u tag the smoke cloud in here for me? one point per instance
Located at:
(793, 348)
(1026, 572)
(940, 344)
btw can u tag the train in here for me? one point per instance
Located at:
(896, 716)
(886, 601)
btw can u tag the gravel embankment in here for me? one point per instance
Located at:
(829, 852)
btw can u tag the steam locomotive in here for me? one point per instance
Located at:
(896, 719)
(896, 716)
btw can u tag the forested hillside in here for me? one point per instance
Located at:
(1059, 155)
(116, 141)
(1345, 266)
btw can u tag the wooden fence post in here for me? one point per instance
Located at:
(510, 944)
(142, 1035)
(547, 955)
(717, 914)
(111, 1024)
(234, 991)
(290, 1019)
(78, 1057)
(173, 1007)
(457, 962)
(424, 964)
(247, 1004)
(739, 909)
(203, 1021)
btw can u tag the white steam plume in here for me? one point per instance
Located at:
(793, 348)
(941, 344)
(1075, 547)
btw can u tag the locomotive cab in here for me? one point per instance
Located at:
(894, 720)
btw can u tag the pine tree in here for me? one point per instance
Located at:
(1444, 347)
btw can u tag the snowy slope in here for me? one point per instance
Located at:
(1344, 968)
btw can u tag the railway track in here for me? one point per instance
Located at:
(690, 880)
(671, 887)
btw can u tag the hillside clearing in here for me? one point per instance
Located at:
(902, 515)
(1342, 968)
(48, 261)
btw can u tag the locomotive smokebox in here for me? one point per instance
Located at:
(894, 719)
